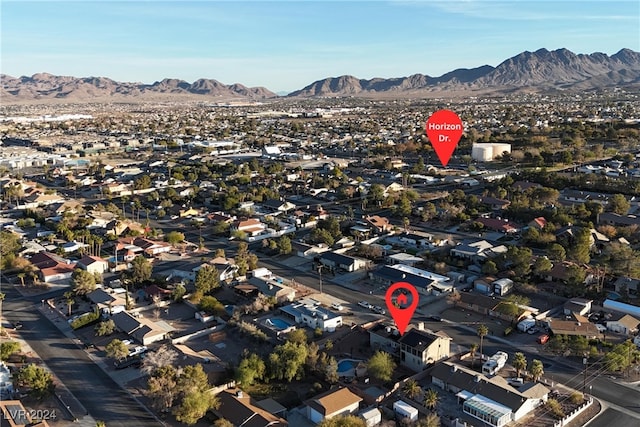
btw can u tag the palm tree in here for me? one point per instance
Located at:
(519, 363)
(69, 297)
(21, 276)
(431, 399)
(411, 389)
(482, 332)
(536, 369)
(473, 349)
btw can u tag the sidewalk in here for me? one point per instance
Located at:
(72, 410)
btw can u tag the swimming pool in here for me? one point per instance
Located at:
(347, 367)
(279, 324)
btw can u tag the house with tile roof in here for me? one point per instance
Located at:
(240, 409)
(332, 403)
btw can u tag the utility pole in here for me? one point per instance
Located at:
(585, 361)
(320, 275)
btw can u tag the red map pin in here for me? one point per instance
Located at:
(444, 129)
(403, 304)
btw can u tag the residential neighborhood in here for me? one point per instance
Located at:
(228, 265)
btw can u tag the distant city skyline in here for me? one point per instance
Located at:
(287, 45)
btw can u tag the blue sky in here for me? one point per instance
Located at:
(289, 44)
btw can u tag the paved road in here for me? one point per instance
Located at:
(613, 418)
(102, 397)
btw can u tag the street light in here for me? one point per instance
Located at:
(320, 275)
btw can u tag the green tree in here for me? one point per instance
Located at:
(116, 349)
(7, 348)
(35, 378)
(207, 279)
(431, 399)
(284, 245)
(211, 305)
(331, 371)
(297, 336)
(162, 388)
(286, 362)
(343, 421)
(250, 370)
(490, 268)
(381, 366)
(193, 379)
(542, 266)
(69, 300)
(618, 204)
(140, 270)
(174, 237)
(411, 389)
(519, 363)
(9, 246)
(194, 406)
(83, 282)
(622, 356)
(482, 332)
(556, 252)
(105, 328)
(536, 369)
(178, 292)
(581, 246)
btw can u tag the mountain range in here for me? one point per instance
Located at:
(541, 71)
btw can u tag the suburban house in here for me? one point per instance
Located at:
(51, 267)
(331, 404)
(252, 226)
(242, 410)
(379, 224)
(631, 286)
(277, 206)
(312, 316)
(93, 264)
(573, 327)
(491, 400)
(424, 281)
(335, 261)
(580, 306)
(414, 239)
(477, 251)
(538, 223)
(420, 348)
(142, 330)
(385, 337)
(270, 287)
(623, 324)
(618, 220)
(403, 258)
(306, 250)
(109, 303)
(494, 203)
(499, 224)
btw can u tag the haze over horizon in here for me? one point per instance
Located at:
(286, 45)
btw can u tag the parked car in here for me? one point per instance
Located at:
(337, 307)
(379, 309)
(364, 304)
(542, 339)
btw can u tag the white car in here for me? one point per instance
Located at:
(336, 306)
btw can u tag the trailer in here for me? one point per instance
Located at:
(502, 286)
(404, 410)
(526, 324)
(495, 363)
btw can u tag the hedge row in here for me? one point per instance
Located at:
(86, 320)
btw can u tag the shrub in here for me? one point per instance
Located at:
(508, 330)
(576, 398)
(86, 319)
(556, 409)
(252, 331)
